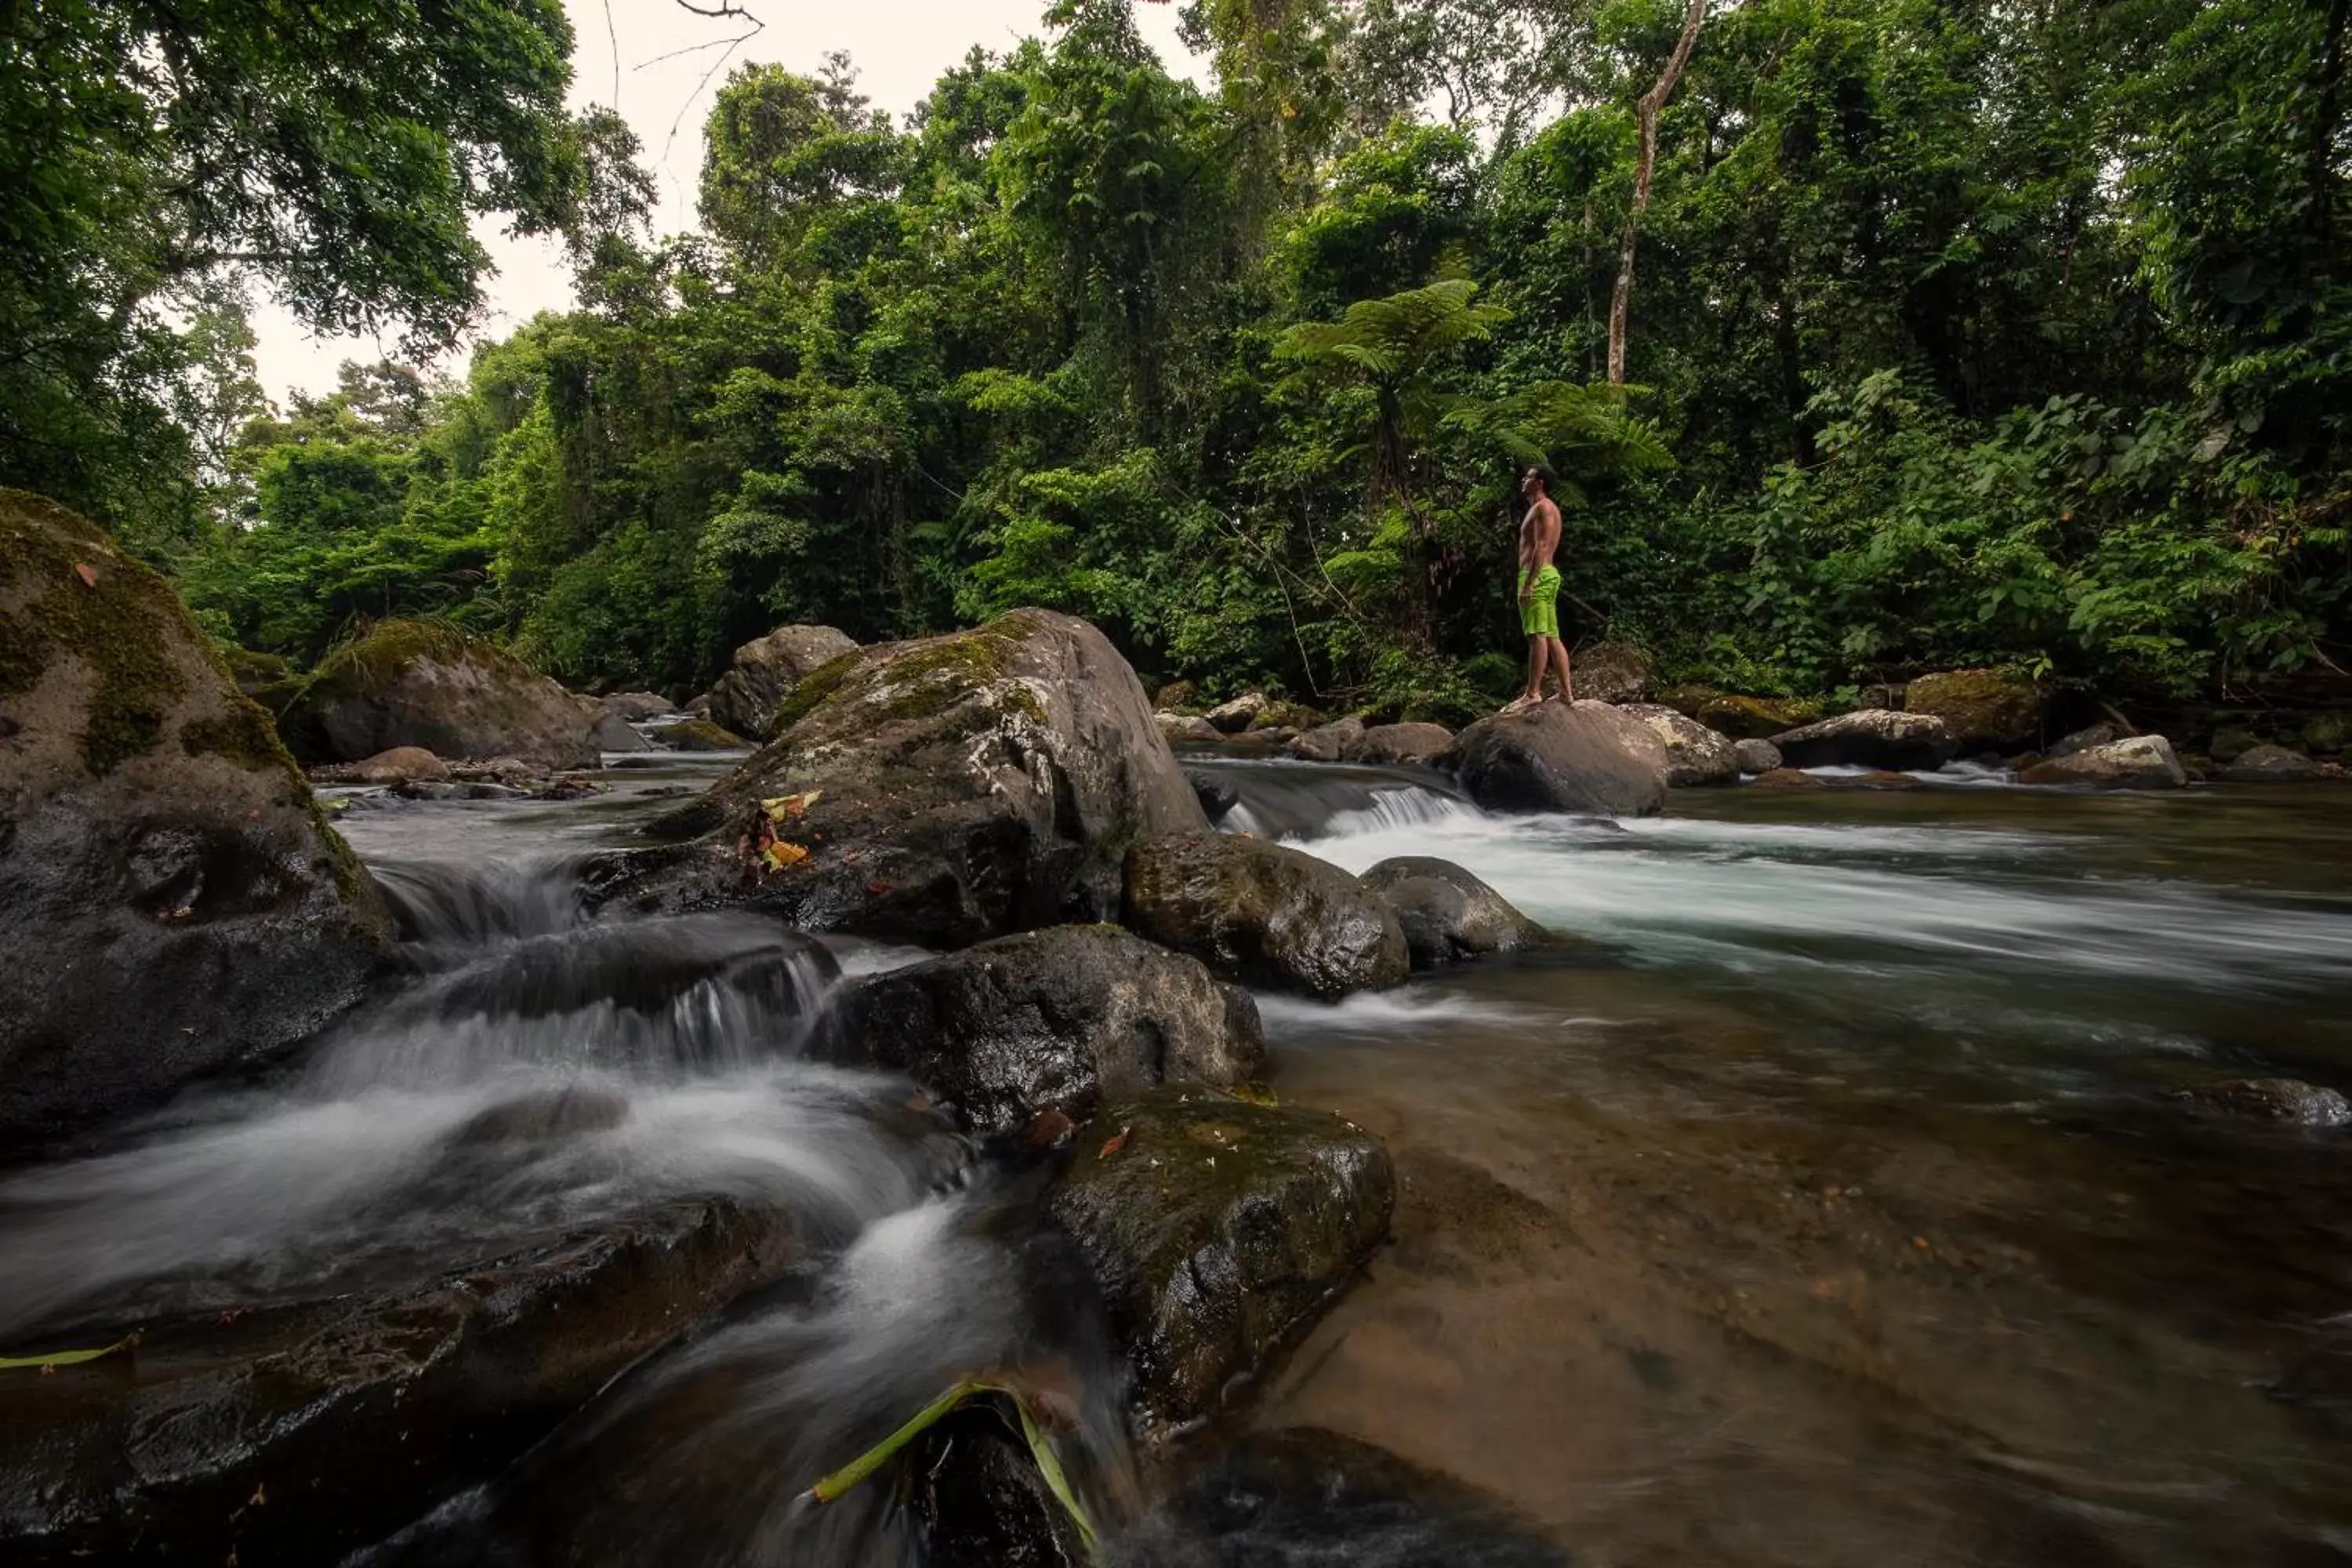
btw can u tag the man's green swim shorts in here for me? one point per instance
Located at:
(1539, 615)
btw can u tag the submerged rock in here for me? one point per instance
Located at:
(1788, 778)
(174, 903)
(1338, 741)
(1983, 709)
(2144, 761)
(1447, 913)
(1217, 1230)
(419, 683)
(1869, 738)
(1050, 1020)
(941, 792)
(1612, 672)
(1756, 757)
(2270, 765)
(1553, 757)
(1695, 753)
(1264, 914)
(1233, 718)
(2272, 1099)
(298, 1434)
(764, 673)
(1403, 743)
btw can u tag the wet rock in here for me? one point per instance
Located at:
(1264, 914)
(1232, 718)
(1338, 741)
(635, 707)
(1983, 709)
(2272, 1099)
(1553, 757)
(1217, 1230)
(1272, 735)
(612, 732)
(402, 765)
(546, 1116)
(1175, 697)
(1217, 797)
(1695, 753)
(1299, 1497)
(1788, 778)
(2143, 761)
(1757, 756)
(298, 1434)
(1279, 714)
(977, 1499)
(1449, 915)
(1612, 672)
(698, 735)
(941, 791)
(174, 903)
(2099, 734)
(2270, 764)
(764, 673)
(2231, 743)
(1181, 727)
(1403, 743)
(2329, 732)
(473, 789)
(1868, 738)
(419, 683)
(1753, 718)
(1048, 1021)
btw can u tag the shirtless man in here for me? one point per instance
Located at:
(1539, 588)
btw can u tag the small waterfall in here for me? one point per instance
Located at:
(1296, 801)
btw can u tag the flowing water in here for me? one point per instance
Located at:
(1817, 1201)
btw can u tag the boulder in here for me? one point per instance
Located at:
(2270, 765)
(418, 683)
(1983, 709)
(1789, 778)
(1553, 757)
(635, 707)
(1051, 1020)
(1884, 694)
(1403, 743)
(1868, 738)
(1449, 915)
(1695, 753)
(174, 903)
(1757, 756)
(1612, 672)
(1264, 914)
(764, 671)
(698, 735)
(2272, 1099)
(2329, 732)
(612, 732)
(2143, 761)
(1217, 1231)
(1752, 718)
(941, 791)
(1338, 741)
(2231, 743)
(1284, 715)
(2082, 740)
(1176, 696)
(1192, 727)
(1232, 718)
(300, 1434)
(1217, 797)
(399, 765)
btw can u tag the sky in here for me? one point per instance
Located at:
(899, 46)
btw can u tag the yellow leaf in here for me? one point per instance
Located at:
(787, 807)
(781, 855)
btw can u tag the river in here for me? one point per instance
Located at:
(1817, 1201)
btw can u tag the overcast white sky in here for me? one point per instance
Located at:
(900, 47)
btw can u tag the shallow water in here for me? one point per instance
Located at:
(1816, 1202)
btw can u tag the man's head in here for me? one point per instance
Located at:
(1538, 481)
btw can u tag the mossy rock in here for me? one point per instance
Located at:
(423, 683)
(175, 903)
(1755, 718)
(764, 672)
(1984, 710)
(1264, 914)
(699, 735)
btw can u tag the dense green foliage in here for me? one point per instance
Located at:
(1962, 333)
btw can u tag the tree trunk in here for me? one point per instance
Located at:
(1620, 299)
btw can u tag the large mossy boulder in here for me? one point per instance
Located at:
(2142, 761)
(941, 791)
(766, 670)
(1612, 672)
(1264, 914)
(1589, 757)
(302, 1433)
(1049, 1020)
(1695, 753)
(174, 903)
(1746, 717)
(1868, 738)
(419, 683)
(1449, 915)
(1983, 709)
(1217, 1230)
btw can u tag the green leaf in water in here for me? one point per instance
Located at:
(122, 1346)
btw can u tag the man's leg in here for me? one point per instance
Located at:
(1559, 651)
(1536, 659)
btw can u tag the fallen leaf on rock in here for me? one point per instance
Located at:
(88, 575)
(1115, 1143)
(782, 854)
(1047, 1129)
(789, 807)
